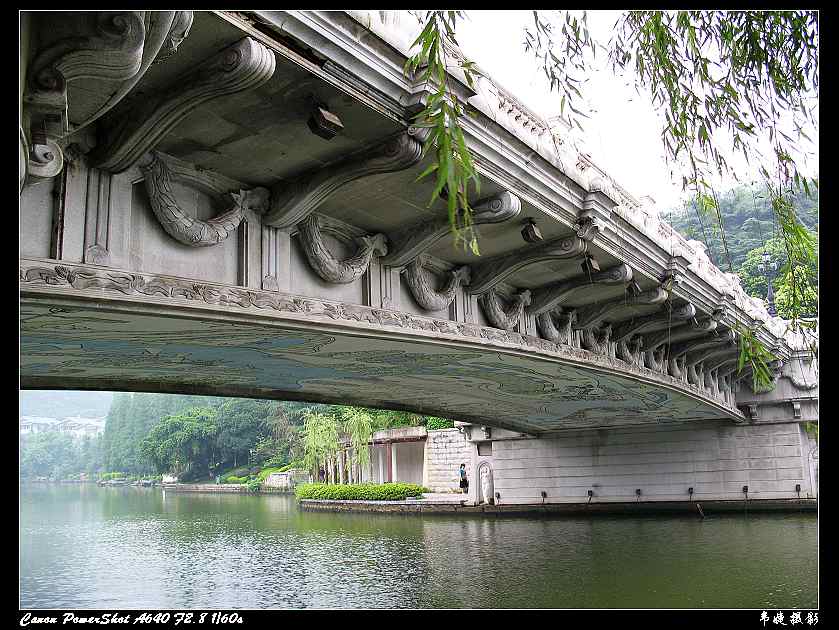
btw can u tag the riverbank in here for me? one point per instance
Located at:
(222, 487)
(454, 506)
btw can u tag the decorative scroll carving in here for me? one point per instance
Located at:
(596, 313)
(557, 326)
(37, 274)
(421, 285)
(164, 33)
(330, 268)
(696, 375)
(292, 202)
(245, 65)
(711, 384)
(703, 343)
(676, 368)
(113, 52)
(178, 32)
(652, 322)
(802, 384)
(707, 354)
(505, 318)
(597, 340)
(45, 160)
(654, 359)
(189, 230)
(631, 351)
(690, 330)
(550, 297)
(411, 241)
(487, 275)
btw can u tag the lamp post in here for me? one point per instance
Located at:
(768, 267)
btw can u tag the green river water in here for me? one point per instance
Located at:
(82, 546)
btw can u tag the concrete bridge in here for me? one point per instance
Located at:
(226, 203)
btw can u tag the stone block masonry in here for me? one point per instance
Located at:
(716, 460)
(445, 451)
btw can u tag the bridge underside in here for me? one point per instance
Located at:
(69, 342)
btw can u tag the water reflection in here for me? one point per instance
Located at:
(83, 546)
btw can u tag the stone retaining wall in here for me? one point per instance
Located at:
(420, 507)
(445, 451)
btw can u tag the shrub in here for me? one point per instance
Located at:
(438, 423)
(359, 491)
(234, 479)
(254, 485)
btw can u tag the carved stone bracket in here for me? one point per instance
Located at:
(597, 340)
(652, 322)
(690, 330)
(421, 285)
(244, 65)
(292, 202)
(487, 275)
(596, 313)
(189, 230)
(330, 268)
(714, 355)
(631, 350)
(501, 316)
(676, 368)
(417, 238)
(696, 375)
(109, 46)
(654, 359)
(557, 326)
(713, 341)
(548, 298)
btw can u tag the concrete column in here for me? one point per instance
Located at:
(390, 458)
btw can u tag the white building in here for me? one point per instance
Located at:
(30, 425)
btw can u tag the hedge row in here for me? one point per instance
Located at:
(359, 491)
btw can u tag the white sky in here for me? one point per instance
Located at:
(623, 134)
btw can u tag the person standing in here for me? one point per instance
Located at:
(464, 481)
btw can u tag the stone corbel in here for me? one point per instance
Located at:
(292, 202)
(422, 285)
(711, 384)
(109, 47)
(689, 330)
(554, 295)
(676, 368)
(184, 228)
(596, 313)
(501, 316)
(631, 350)
(666, 316)
(330, 268)
(557, 326)
(597, 340)
(654, 359)
(129, 134)
(489, 274)
(417, 238)
(696, 375)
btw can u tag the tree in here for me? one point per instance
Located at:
(722, 79)
(182, 443)
(241, 425)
